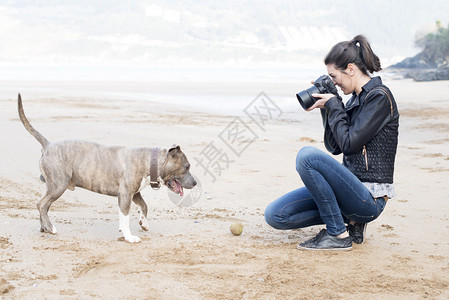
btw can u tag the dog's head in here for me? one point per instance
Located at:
(176, 171)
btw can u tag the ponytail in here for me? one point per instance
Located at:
(357, 51)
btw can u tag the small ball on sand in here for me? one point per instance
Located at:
(236, 228)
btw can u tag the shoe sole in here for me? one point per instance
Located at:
(323, 249)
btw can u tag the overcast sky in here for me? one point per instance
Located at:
(129, 34)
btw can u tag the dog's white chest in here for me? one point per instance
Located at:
(145, 182)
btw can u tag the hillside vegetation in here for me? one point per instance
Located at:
(435, 45)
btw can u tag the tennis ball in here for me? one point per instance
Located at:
(236, 228)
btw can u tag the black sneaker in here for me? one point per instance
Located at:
(318, 236)
(357, 232)
(324, 241)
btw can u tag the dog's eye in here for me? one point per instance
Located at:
(188, 167)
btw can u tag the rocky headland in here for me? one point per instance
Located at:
(430, 64)
(421, 68)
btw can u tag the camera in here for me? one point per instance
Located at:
(323, 85)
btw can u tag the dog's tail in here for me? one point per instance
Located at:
(39, 137)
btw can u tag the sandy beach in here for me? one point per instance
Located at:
(189, 252)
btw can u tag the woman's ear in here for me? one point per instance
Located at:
(351, 69)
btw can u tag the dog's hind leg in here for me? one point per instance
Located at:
(143, 211)
(44, 205)
(57, 179)
(124, 203)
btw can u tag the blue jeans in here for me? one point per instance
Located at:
(332, 195)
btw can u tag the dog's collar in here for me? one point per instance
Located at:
(154, 182)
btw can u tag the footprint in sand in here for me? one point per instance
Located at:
(387, 227)
(5, 287)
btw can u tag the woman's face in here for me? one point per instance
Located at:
(341, 78)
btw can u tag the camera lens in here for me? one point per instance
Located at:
(305, 97)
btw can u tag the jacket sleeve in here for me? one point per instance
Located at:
(373, 116)
(329, 142)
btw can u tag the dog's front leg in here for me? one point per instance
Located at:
(143, 211)
(124, 203)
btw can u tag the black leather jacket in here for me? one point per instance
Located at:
(365, 131)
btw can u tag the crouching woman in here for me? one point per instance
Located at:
(345, 197)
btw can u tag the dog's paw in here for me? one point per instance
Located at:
(51, 230)
(132, 239)
(144, 224)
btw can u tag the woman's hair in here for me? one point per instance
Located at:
(357, 51)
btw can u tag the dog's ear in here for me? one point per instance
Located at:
(174, 149)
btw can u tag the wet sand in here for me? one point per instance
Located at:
(189, 252)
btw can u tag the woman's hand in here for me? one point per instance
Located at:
(321, 101)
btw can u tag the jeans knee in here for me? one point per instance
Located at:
(303, 156)
(272, 218)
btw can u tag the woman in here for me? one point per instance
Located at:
(365, 130)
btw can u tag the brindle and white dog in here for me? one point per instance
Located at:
(114, 171)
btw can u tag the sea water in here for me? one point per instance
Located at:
(212, 90)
